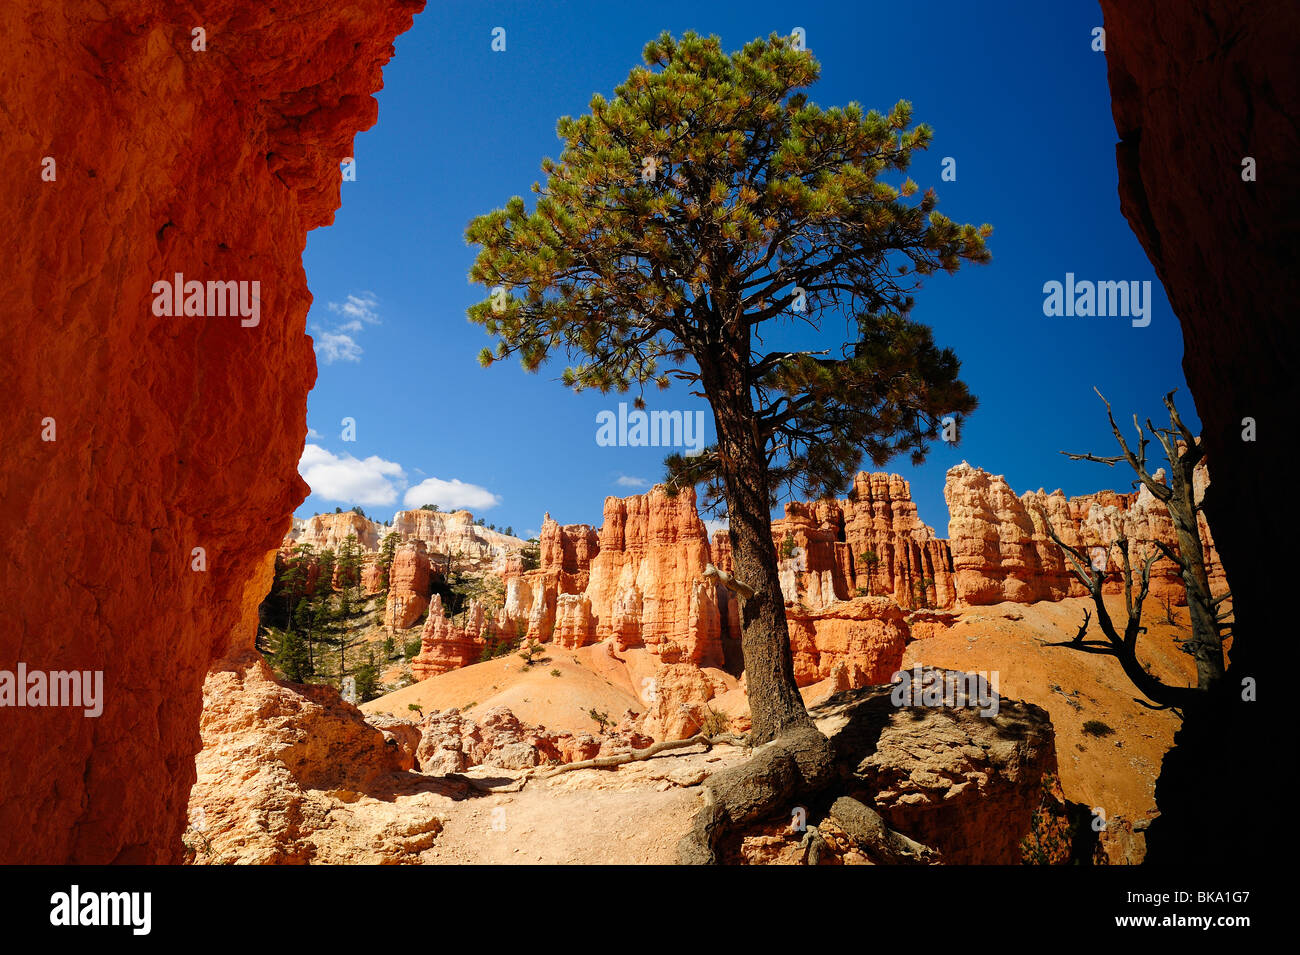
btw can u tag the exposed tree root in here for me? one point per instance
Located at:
(812, 845)
(602, 762)
(798, 763)
(868, 829)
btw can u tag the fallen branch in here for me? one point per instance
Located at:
(637, 755)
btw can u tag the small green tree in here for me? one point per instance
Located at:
(600, 718)
(293, 580)
(707, 200)
(387, 551)
(530, 555)
(870, 560)
(367, 677)
(529, 651)
(291, 657)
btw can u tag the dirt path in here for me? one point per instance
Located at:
(634, 814)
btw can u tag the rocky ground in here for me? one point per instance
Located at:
(291, 774)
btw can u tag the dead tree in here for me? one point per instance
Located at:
(1183, 451)
(1083, 627)
(1122, 646)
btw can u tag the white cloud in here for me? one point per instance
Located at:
(451, 495)
(313, 433)
(712, 526)
(336, 342)
(371, 481)
(332, 347)
(626, 481)
(360, 308)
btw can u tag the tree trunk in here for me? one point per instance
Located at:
(774, 701)
(1206, 642)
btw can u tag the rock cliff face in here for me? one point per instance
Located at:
(179, 432)
(647, 586)
(850, 571)
(862, 639)
(1198, 88)
(639, 579)
(443, 533)
(277, 762)
(447, 644)
(329, 531)
(408, 585)
(872, 543)
(1001, 550)
(453, 532)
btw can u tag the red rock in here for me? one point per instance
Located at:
(863, 638)
(452, 742)
(408, 585)
(267, 746)
(679, 704)
(171, 433)
(1197, 89)
(1001, 550)
(446, 645)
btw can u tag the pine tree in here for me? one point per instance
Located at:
(709, 197)
(290, 657)
(387, 550)
(367, 677)
(293, 580)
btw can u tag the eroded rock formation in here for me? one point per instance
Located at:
(176, 432)
(277, 762)
(408, 585)
(448, 644)
(1001, 550)
(443, 532)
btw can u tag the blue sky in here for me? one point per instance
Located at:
(1018, 98)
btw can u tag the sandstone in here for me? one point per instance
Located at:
(404, 735)
(446, 644)
(329, 531)
(278, 760)
(646, 578)
(172, 433)
(454, 533)
(409, 585)
(678, 706)
(1221, 246)
(1001, 550)
(861, 639)
(945, 776)
(452, 742)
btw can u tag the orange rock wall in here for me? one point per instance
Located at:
(170, 433)
(1001, 550)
